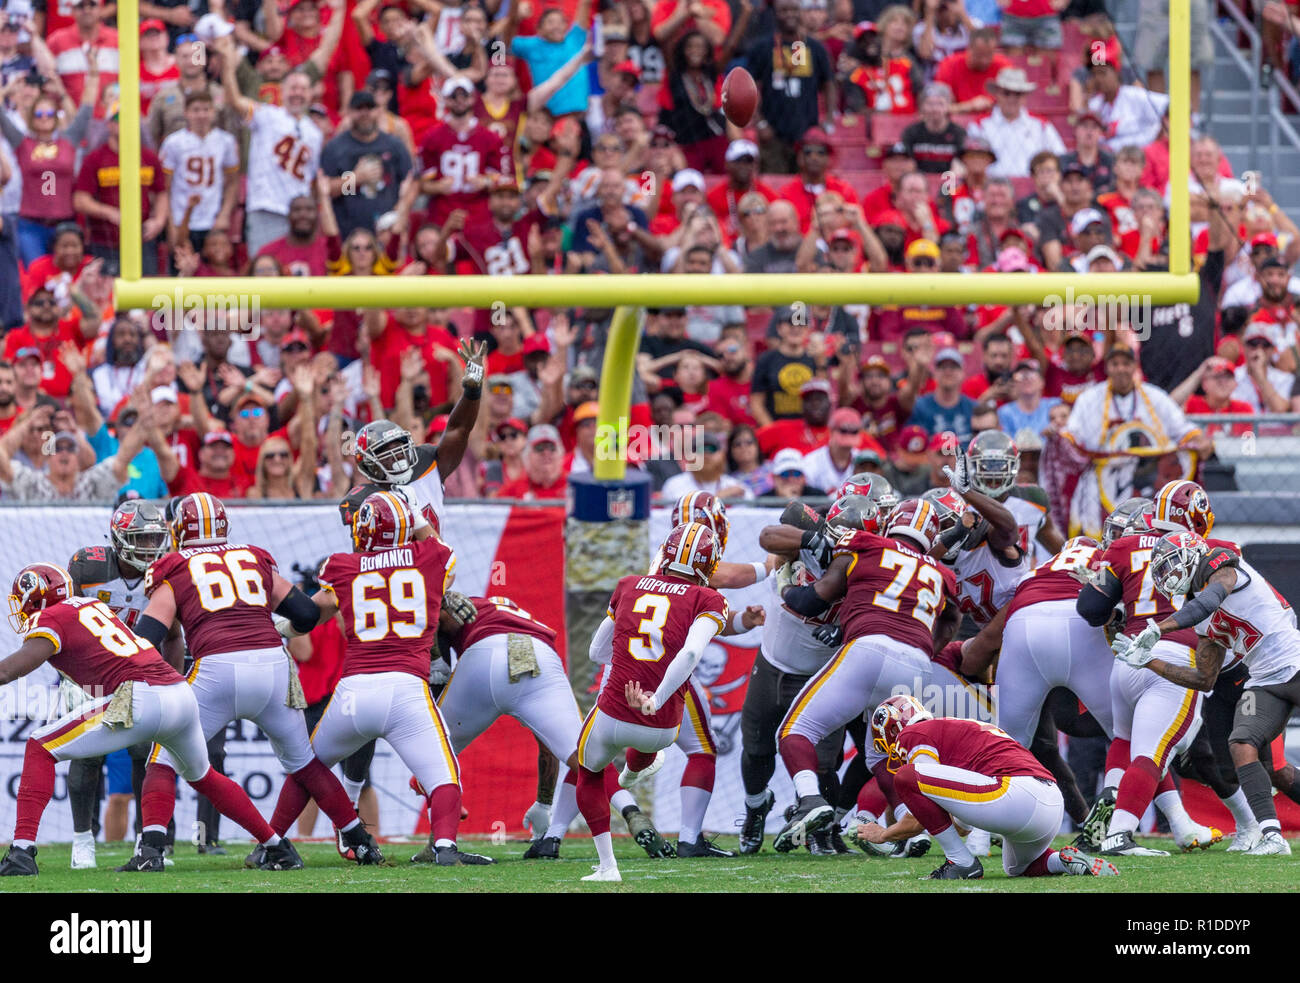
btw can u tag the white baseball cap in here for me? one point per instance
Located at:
(689, 178)
(454, 83)
(788, 459)
(741, 148)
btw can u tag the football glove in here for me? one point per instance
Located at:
(459, 607)
(1148, 636)
(1128, 653)
(537, 819)
(789, 575)
(283, 626)
(831, 635)
(959, 474)
(818, 544)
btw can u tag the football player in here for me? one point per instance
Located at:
(1153, 717)
(1234, 609)
(899, 606)
(137, 535)
(949, 771)
(389, 590)
(135, 696)
(658, 626)
(223, 594)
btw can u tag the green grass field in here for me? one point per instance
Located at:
(326, 872)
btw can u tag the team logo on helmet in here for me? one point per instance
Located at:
(139, 533)
(1183, 505)
(850, 514)
(994, 463)
(1130, 517)
(36, 587)
(875, 487)
(949, 508)
(1175, 559)
(915, 519)
(888, 721)
(690, 551)
(382, 522)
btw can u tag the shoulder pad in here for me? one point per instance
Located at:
(92, 565)
(1034, 494)
(352, 501)
(1217, 559)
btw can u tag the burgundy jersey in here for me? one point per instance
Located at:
(893, 590)
(446, 154)
(970, 745)
(1052, 581)
(223, 596)
(96, 650)
(389, 600)
(495, 253)
(504, 124)
(1129, 559)
(652, 616)
(500, 616)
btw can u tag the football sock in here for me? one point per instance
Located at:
(35, 789)
(798, 754)
(695, 803)
(756, 770)
(828, 785)
(292, 800)
(1239, 806)
(1055, 865)
(565, 809)
(1259, 793)
(444, 812)
(1135, 793)
(83, 783)
(953, 847)
(157, 796)
(593, 803)
(1171, 804)
(756, 801)
(353, 789)
(322, 785)
(233, 802)
(605, 850)
(805, 784)
(1117, 761)
(639, 760)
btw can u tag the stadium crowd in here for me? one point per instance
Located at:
(525, 139)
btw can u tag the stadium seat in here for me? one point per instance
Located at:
(855, 157)
(1024, 186)
(887, 128)
(863, 182)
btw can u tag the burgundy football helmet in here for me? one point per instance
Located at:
(915, 519)
(690, 551)
(37, 586)
(701, 506)
(888, 721)
(1183, 505)
(199, 520)
(382, 522)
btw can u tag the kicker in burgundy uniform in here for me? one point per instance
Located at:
(223, 594)
(1153, 717)
(389, 593)
(133, 696)
(949, 772)
(899, 606)
(659, 626)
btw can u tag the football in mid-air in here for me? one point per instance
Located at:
(739, 96)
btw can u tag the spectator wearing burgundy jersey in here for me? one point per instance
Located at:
(1077, 369)
(934, 140)
(891, 323)
(451, 184)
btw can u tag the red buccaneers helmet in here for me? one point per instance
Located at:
(37, 586)
(385, 453)
(1175, 559)
(199, 520)
(949, 506)
(690, 551)
(701, 506)
(994, 463)
(382, 522)
(1183, 505)
(915, 519)
(888, 721)
(1131, 516)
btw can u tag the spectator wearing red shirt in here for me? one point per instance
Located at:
(808, 432)
(1217, 380)
(45, 333)
(216, 473)
(408, 329)
(157, 65)
(672, 19)
(1077, 370)
(883, 406)
(813, 178)
(69, 46)
(1119, 203)
(544, 476)
(969, 72)
(994, 382)
(728, 394)
(303, 31)
(895, 162)
(97, 196)
(829, 465)
(303, 252)
(61, 271)
(742, 178)
(447, 153)
(891, 323)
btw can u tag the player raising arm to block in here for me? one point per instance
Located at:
(134, 696)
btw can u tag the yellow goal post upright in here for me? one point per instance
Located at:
(133, 291)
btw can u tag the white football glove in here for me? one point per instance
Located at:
(789, 575)
(439, 672)
(1130, 654)
(959, 476)
(537, 819)
(1148, 637)
(283, 626)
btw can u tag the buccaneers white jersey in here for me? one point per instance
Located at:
(282, 158)
(197, 166)
(95, 573)
(788, 642)
(1255, 624)
(984, 584)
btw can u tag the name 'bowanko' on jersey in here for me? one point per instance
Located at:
(223, 596)
(389, 601)
(893, 590)
(652, 617)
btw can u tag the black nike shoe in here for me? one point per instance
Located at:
(837, 839)
(646, 836)
(450, 856)
(701, 848)
(254, 860)
(951, 872)
(147, 859)
(544, 848)
(811, 814)
(1092, 831)
(19, 862)
(282, 856)
(819, 843)
(361, 846)
(751, 832)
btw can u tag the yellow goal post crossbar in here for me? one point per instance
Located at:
(132, 291)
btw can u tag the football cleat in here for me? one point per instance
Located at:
(1093, 828)
(450, 856)
(1269, 844)
(822, 843)
(701, 848)
(147, 860)
(254, 860)
(604, 874)
(836, 840)
(83, 851)
(911, 849)
(627, 778)
(426, 856)
(360, 846)
(212, 849)
(19, 862)
(543, 848)
(951, 872)
(751, 832)
(811, 813)
(1079, 863)
(1123, 845)
(1202, 838)
(1244, 839)
(282, 856)
(647, 837)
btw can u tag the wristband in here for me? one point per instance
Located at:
(760, 571)
(738, 623)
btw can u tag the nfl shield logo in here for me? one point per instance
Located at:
(621, 503)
